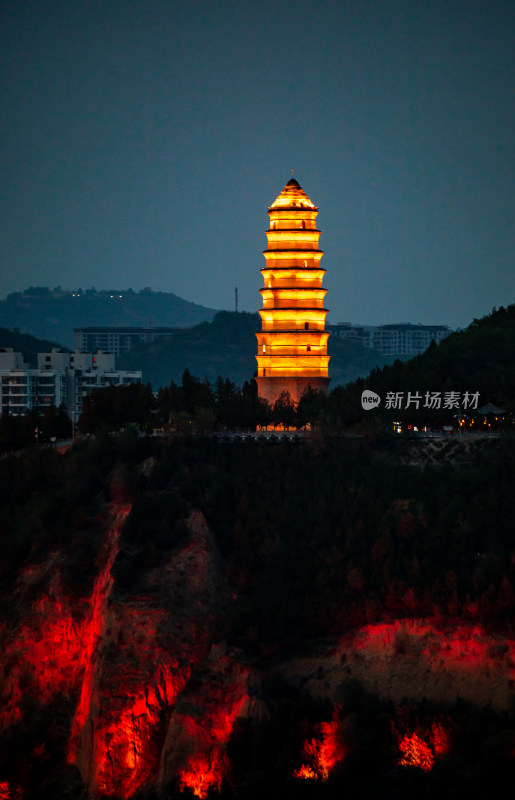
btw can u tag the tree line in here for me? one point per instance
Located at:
(478, 360)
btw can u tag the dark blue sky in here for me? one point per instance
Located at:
(143, 140)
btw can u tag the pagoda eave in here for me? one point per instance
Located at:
(279, 289)
(290, 250)
(287, 358)
(301, 332)
(293, 230)
(292, 208)
(316, 309)
(293, 269)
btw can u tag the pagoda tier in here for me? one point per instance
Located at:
(286, 297)
(292, 345)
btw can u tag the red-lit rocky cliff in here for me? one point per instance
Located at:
(137, 691)
(149, 655)
(137, 694)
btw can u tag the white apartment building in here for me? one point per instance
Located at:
(59, 378)
(117, 339)
(401, 339)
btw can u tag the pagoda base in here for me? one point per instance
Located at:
(270, 388)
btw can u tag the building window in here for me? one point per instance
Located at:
(308, 348)
(306, 326)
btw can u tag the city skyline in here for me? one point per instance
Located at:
(142, 145)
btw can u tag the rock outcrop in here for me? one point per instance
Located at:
(111, 694)
(118, 672)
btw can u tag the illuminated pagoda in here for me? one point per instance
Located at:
(292, 345)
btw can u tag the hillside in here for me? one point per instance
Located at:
(24, 343)
(54, 314)
(183, 618)
(227, 346)
(480, 358)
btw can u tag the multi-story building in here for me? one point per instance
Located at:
(59, 378)
(402, 339)
(117, 340)
(292, 343)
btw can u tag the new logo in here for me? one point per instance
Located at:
(369, 399)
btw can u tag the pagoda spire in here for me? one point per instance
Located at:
(292, 345)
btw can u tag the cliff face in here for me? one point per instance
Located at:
(117, 677)
(150, 648)
(405, 660)
(137, 696)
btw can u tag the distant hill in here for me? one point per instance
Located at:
(227, 346)
(480, 358)
(53, 314)
(350, 360)
(26, 344)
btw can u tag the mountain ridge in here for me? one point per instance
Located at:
(226, 346)
(53, 314)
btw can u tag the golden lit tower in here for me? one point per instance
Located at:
(292, 345)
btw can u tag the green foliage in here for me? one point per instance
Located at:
(340, 529)
(478, 359)
(351, 360)
(227, 346)
(113, 407)
(284, 410)
(34, 428)
(315, 539)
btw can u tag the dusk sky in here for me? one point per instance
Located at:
(142, 142)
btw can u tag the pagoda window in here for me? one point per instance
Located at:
(306, 326)
(308, 348)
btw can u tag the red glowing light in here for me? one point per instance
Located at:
(323, 753)
(416, 753)
(124, 738)
(209, 729)
(306, 773)
(440, 739)
(91, 634)
(204, 772)
(9, 792)
(422, 752)
(207, 767)
(123, 665)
